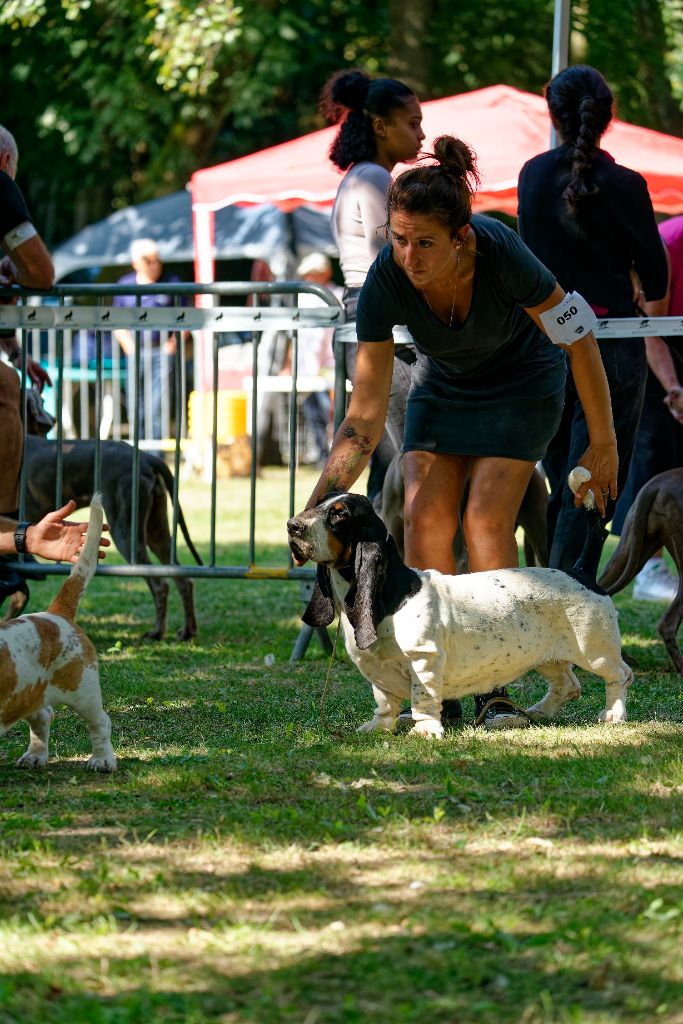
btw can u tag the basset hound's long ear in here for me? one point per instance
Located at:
(364, 606)
(320, 609)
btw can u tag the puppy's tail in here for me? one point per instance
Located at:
(67, 600)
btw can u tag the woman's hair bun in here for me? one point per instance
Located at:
(455, 157)
(344, 91)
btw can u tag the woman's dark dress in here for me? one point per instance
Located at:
(492, 386)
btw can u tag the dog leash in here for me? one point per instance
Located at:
(323, 697)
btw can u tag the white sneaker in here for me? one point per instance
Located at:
(654, 582)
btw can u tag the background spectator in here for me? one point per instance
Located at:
(380, 126)
(659, 441)
(590, 220)
(316, 357)
(153, 391)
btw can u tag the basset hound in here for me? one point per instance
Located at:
(426, 636)
(46, 659)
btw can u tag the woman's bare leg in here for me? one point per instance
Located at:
(434, 486)
(497, 487)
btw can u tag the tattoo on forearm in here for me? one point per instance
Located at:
(341, 465)
(337, 467)
(361, 442)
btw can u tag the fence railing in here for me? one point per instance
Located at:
(51, 326)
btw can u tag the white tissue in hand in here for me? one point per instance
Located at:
(579, 475)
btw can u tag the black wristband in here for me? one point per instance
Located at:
(7, 332)
(20, 538)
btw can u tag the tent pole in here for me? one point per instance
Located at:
(560, 46)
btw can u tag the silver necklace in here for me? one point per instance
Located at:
(455, 289)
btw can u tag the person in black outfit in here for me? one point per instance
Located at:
(591, 222)
(24, 260)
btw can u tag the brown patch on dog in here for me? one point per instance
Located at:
(50, 643)
(89, 652)
(8, 671)
(341, 553)
(68, 677)
(66, 601)
(22, 703)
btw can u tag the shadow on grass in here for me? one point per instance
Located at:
(562, 960)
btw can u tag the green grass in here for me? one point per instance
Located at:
(247, 865)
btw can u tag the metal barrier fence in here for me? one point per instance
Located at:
(53, 326)
(69, 318)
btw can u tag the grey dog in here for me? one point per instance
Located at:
(654, 521)
(155, 484)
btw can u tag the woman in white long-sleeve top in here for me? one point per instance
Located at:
(380, 125)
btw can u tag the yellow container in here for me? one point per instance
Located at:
(232, 415)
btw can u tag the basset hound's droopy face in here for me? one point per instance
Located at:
(327, 533)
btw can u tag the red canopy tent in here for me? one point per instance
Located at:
(504, 126)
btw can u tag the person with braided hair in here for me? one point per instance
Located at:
(491, 327)
(379, 126)
(591, 222)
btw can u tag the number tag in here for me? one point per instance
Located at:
(569, 320)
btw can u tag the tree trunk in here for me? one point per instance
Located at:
(411, 57)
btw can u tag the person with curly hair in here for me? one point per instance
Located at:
(379, 126)
(491, 328)
(591, 222)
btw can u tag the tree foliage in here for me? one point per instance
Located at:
(115, 101)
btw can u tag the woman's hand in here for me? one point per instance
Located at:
(58, 538)
(602, 462)
(36, 374)
(673, 400)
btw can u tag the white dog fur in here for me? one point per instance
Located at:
(426, 636)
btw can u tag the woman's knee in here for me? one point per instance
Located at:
(423, 521)
(481, 521)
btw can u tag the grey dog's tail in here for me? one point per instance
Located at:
(67, 599)
(592, 548)
(636, 543)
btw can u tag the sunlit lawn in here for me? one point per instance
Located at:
(248, 864)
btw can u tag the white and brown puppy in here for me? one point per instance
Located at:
(46, 659)
(426, 636)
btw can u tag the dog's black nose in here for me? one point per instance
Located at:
(295, 527)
